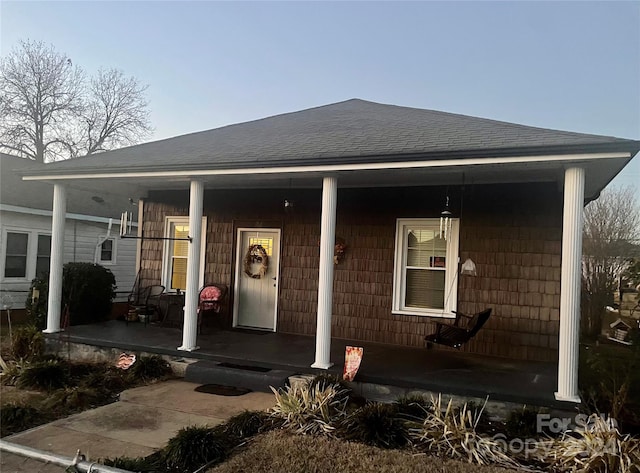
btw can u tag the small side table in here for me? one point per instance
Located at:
(172, 306)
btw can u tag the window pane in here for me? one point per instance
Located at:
(15, 267)
(266, 243)
(179, 273)
(425, 248)
(425, 288)
(17, 243)
(15, 264)
(106, 250)
(44, 245)
(42, 265)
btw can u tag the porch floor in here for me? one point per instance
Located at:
(437, 370)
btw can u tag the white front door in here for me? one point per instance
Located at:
(256, 284)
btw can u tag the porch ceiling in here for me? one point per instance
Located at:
(598, 173)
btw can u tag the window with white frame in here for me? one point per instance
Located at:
(425, 272)
(176, 251)
(25, 254)
(107, 251)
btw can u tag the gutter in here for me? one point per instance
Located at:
(79, 462)
(187, 171)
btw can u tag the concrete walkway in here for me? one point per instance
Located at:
(142, 421)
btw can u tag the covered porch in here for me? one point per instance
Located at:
(397, 368)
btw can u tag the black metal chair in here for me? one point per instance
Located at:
(460, 332)
(145, 300)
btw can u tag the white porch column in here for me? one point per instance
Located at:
(54, 301)
(325, 281)
(568, 347)
(190, 329)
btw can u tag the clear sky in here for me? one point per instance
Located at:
(564, 65)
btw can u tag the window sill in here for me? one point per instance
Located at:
(434, 314)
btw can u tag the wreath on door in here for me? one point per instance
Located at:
(256, 254)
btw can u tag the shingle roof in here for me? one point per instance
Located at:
(39, 195)
(345, 132)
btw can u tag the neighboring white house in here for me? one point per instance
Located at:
(25, 232)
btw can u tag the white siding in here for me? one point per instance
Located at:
(81, 239)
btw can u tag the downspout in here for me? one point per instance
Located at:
(101, 241)
(140, 236)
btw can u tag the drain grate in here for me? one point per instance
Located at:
(259, 369)
(222, 390)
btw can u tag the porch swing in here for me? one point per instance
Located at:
(460, 332)
(464, 327)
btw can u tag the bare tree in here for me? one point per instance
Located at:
(39, 96)
(48, 111)
(116, 113)
(610, 242)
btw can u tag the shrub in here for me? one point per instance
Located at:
(378, 425)
(37, 309)
(109, 380)
(72, 399)
(88, 289)
(597, 446)
(610, 382)
(194, 447)
(246, 424)
(149, 368)
(452, 433)
(43, 375)
(413, 407)
(310, 410)
(15, 417)
(522, 423)
(27, 343)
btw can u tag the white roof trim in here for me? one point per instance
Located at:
(338, 167)
(49, 213)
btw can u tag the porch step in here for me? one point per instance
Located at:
(248, 376)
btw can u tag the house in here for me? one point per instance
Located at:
(260, 206)
(25, 226)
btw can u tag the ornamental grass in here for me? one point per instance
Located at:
(451, 432)
(597, 446)
(310, 409)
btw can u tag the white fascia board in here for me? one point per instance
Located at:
(338, 167)
(49, 213)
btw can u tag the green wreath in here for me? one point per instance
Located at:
(256, 254)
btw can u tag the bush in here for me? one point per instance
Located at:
(246, 424)
(27, 343)
(15, 417)
(149, 368)
(452, 433)
(610, 382)
(37, 310)
(310, 410)
(522, 424)
(377, 425)
(413, 407)
(43, 375)
(598, 446)
(88, 289)
(194, 447)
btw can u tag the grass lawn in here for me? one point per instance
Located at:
(282, 452)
